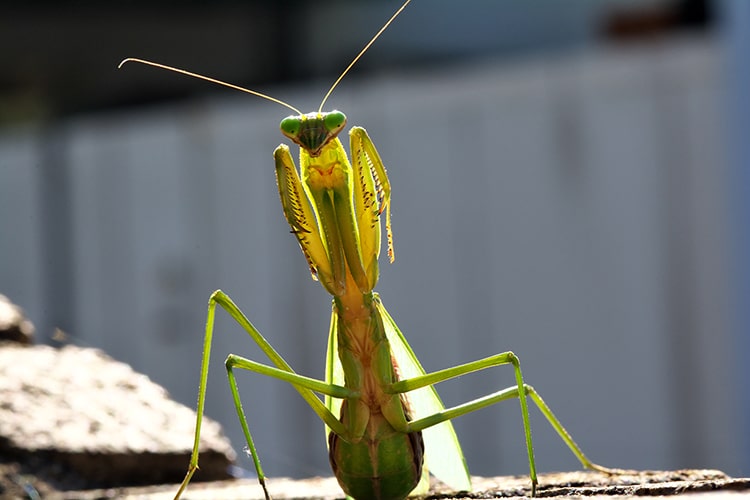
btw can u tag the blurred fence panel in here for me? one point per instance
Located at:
(571, 210)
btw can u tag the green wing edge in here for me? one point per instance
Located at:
(443, 455)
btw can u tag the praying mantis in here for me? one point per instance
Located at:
(387, 427)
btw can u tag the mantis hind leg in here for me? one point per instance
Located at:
(307, 387)
(520, 391)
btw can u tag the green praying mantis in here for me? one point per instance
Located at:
(387, 427)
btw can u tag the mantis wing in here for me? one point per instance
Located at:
(334, 370)
(443, 455)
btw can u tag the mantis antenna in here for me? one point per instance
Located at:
(260, 94)
(361, 53)
(208, 79)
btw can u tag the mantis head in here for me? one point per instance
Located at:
(312, 131)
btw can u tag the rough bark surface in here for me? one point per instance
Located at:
(14, 325)
(700, 484)
(73, 417)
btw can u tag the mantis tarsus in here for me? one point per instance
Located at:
(386, 422)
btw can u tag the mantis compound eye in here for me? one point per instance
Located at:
(290, 126)
(334, 121)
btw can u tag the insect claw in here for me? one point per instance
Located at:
(262, 482)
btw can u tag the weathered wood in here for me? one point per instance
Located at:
(701, 484)
(74, 417)
(14, 325)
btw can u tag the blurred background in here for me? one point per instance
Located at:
(570, 182)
